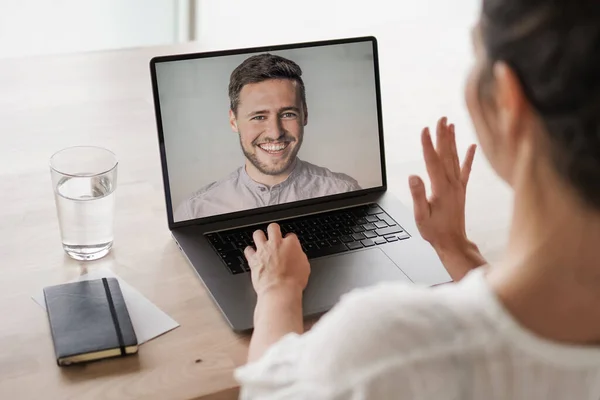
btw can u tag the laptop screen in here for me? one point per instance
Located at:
(267, 127)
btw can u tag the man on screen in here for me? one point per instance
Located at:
(268, 111)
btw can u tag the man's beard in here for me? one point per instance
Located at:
(277, 169)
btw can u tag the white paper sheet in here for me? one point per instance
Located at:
(148, 320)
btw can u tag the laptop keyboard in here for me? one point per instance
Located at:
(320, 235)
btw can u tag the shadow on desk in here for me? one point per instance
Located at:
(120, 366)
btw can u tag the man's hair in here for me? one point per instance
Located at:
(260, 68)
(554, 48)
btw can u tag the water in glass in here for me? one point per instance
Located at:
(85, 211)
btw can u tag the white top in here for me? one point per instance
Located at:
(395, 341)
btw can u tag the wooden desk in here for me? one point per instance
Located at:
(105, 99)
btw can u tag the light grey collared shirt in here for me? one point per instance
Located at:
(239, 192)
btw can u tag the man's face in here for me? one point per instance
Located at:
(270, 120)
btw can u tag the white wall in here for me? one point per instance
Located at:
(424, 46)
(32, 27)
(341, 134)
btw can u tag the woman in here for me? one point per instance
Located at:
(526, 328)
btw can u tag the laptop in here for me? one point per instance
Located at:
(291, 134)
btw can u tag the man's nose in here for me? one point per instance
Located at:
(274, 129)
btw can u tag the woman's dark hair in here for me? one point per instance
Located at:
(554, 48)
(260, 68)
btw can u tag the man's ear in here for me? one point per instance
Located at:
(233, 121)
(305, 115)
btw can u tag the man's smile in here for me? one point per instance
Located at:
(274, 148)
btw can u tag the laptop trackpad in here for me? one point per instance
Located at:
(333, 276)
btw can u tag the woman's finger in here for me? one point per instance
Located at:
(455, 161)
(443, 147)
(420, 203)
(438, 138)
(274, 232)
(259, 238)
(435, 170)
(249, 252)
(291, 236)
(465, 171)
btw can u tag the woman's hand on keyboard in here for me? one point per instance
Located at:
(277, 261)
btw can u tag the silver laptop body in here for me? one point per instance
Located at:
(397, 253)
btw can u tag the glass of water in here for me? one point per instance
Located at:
(84, 180)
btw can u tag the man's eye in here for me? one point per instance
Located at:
(258, 118)
(288, 115)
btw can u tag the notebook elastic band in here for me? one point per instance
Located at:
(113, 313)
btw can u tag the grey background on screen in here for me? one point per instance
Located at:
(341, 134)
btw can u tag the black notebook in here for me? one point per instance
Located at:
(89, 321)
